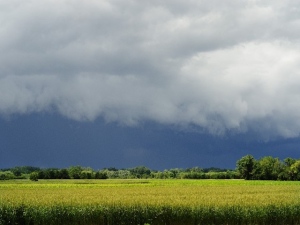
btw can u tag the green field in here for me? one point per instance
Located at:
(173, 202)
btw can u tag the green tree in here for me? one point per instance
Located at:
(7, 175)
(245, 166)
(269, 168)
(289, 161)
(63, 174)
(295, 170)
(140, 172)
(287, 174)
(101, 175)
(41, 174)
(75, 172)
(34, 176)
(17, 171)
(50, 173)
(174, 173)
(86, 174)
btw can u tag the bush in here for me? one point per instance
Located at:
(34, 176)
(7, 175)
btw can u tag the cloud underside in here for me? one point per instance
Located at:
(220, 67)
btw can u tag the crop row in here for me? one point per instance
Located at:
(154, 215)
(150, 202)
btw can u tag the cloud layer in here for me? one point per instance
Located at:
(220, 66)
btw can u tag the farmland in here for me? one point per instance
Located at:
(149, 201)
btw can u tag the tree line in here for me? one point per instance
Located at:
(268, 168)
(249, 168)
(139, 172)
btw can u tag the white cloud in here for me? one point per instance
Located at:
(218, 65)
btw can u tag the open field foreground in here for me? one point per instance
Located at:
(155, 202)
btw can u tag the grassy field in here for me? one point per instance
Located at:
(155, 202)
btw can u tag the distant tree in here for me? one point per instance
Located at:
(34, 176)
(295, 170)
(245, 166)
(124, 174)
(111, 174)
(41, 174)
(51, 173)
(101, 175)
(140, 172)
(289, 161)
(86, 174)
(269, 168)
(24, 170)
(160, 175)
(64, 174)
(75, 171)
(232, 174)
(174, 173)
(194, 175)
(17, 171)
(6, 175)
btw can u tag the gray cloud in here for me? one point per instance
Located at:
(222, 66)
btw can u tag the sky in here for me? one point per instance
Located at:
(163, 84)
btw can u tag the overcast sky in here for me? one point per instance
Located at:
(217, 70)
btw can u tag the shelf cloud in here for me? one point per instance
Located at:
(221, 66)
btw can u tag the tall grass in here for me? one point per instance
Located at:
(156, 215)
(150, 202)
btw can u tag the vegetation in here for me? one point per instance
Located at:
(140, 172)
(149, 201)
(268, 168)
(141, 196)
(248, 168)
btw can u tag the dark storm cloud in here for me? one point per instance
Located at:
(219, 65)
